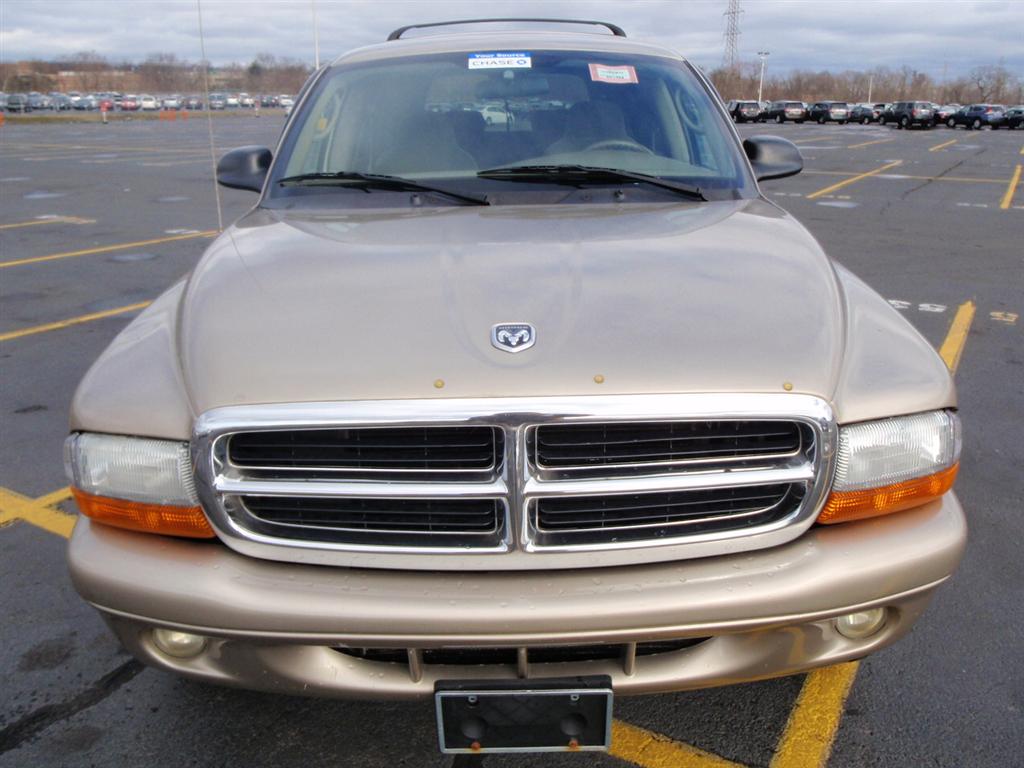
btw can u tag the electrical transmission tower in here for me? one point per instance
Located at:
(731, 59)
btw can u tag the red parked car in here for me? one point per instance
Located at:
(130, 103)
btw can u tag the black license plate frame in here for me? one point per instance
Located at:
(567, 714)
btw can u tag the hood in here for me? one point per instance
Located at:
(720, 296)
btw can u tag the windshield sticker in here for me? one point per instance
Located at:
(499, 61)
(602, 73)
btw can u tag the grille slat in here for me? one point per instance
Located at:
(581, 447)
(590, 519)
(421, 453)
(436, 522)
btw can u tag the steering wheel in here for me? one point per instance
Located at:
(624, 144)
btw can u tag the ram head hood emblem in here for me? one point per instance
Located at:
(513, 337)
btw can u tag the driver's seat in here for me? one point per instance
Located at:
(589, 122)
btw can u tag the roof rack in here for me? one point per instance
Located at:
(615, 30)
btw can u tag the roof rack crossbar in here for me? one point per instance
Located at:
(615, 30)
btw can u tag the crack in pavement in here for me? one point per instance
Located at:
(27, 727)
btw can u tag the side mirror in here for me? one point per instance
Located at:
(244, 168)
(773, 157)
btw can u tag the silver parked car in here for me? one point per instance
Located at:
(561, 406)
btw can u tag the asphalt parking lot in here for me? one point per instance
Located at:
(97, 220)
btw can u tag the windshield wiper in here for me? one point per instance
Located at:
(369, 181)
(577, 174)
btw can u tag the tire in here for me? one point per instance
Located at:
(951, 123)
(976, 125)
(821, 120)
(779, 119)
(905, 123)
(842, 122)
(865, 120)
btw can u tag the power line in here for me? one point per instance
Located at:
(731, 59)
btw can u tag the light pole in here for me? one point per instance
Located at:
(763, 56)
(316, 37)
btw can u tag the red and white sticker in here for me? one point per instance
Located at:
(603, 73)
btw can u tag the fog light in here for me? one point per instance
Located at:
(862, 624)
(180, 645)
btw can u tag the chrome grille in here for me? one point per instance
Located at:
(542, 482)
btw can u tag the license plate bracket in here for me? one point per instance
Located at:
(536, 715)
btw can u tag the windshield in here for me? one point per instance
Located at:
(448, 116)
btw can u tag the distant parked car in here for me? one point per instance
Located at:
(745, 111)
(172, 102)
(977, 116)
(781, 111)
(268, 101)
(232, 100)
(907, 114)
(245, 100)
(86, 102)
(829, 111)
(18, 102)
(944, 112)
(218, 101)
(285, 101)
(35, 101)
(148, 103)
(866, 113)
(130, 103)
(193, 103)
(1015, 118)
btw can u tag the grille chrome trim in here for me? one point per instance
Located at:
(519, 481)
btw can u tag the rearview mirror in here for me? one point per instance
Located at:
(244, 168)
(772, 157)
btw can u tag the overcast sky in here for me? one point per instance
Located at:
(934, 36)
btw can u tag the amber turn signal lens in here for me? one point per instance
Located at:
(150, 518)
(843, 506)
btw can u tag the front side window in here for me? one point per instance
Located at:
(449, 116)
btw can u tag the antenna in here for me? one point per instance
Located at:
(731, 59)
(209, 116)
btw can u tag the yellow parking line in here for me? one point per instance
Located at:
(51, 220)
(953, 346)
(812, 725)
(38, 512)
(72, 321)
(819, 138)
(912, 178)
(853, 179)
(944, 144)
(869, 143)
(107, 248)
(653, 750)
(1008, 197)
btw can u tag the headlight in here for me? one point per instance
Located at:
(893, 464)
(137, 483)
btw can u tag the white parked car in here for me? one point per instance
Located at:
(148, 103)
(285, 101)
(495, 115)
(232, 100)
(245, 100)
(172, 102)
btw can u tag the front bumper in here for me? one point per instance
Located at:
(275, 626)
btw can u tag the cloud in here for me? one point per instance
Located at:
(943, 37)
